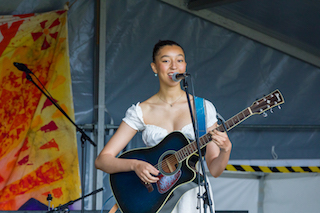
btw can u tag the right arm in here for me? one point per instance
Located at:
(109, 163)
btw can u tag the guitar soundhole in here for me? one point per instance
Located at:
(168, 163)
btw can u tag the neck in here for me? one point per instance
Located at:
(171, 94)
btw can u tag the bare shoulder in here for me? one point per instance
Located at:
(148, 104)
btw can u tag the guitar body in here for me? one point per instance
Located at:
(132, 195)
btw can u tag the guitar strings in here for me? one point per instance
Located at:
(172, 159)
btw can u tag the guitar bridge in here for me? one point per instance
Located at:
(148, 186)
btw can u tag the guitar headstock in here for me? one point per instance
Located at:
(267, 102)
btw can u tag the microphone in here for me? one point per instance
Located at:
(22, 67)
(178, 76)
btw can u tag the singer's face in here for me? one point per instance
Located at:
(169, 60)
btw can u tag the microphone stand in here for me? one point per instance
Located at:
(84, 137)
(206, 195)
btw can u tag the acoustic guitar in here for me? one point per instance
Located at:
(171, 157)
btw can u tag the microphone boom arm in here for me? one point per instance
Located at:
(24, 68)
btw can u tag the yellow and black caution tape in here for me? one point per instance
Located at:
(277, 169)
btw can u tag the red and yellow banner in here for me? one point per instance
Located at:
(38, 147)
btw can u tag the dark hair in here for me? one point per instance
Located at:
(161, 44)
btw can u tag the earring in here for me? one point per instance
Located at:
(156, 74)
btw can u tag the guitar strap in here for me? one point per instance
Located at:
(201, 117)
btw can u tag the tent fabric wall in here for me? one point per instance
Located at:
(228, 69)
(235, 71)
(294, 193)
(236, 194)
(276, 193)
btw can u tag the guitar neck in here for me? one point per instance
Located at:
(192, 148)
(235, 120)
(260, 106)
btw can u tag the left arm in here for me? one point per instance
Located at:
(218, 151)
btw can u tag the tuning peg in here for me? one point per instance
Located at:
(264, 114)
(279, 106)
(271, 110)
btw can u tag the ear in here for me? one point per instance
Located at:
(153, 66)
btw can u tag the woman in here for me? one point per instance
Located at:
(164, 112)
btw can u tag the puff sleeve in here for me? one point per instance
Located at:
(133, 118)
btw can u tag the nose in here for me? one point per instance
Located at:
(174, 65)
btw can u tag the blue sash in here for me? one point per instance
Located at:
(201, 117)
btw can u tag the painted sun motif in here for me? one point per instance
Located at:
(46, 32)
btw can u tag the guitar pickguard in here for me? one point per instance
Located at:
(165, 183)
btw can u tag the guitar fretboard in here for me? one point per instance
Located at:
(191, 148)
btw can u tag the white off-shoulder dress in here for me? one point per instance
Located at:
(152, 135)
